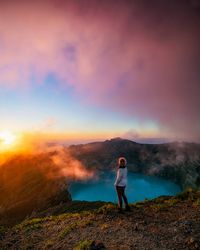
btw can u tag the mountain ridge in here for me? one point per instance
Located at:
(31, 183)
(178, 161)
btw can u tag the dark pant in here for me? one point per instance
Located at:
(121, 194)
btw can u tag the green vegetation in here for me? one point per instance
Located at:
(187, 195)
(84, 245)
(105, 209)
(31, 224)
(75, 225)
(164, 204)
(37, 223)
(67, 230)
(64, 216)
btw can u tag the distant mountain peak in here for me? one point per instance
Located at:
(116, 139)
(119, 139)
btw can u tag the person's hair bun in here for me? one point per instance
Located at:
(122, 159)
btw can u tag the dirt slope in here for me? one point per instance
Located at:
(162, 223)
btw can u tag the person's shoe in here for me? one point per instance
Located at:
(127, 209)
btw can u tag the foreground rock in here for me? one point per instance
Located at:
(162, 223)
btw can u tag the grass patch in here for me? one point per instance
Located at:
(37, 223)
(65, 216)
(164, 204)
(75, 207)
(33, 224)
(84, 245)
(105, 209)
(67, 230)
(74, 226)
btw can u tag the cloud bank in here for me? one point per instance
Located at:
(140, 58)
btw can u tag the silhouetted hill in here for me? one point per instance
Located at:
(26, 184)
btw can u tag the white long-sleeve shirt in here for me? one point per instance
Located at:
(121, 179)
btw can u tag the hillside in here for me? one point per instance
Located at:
(27, 183)
(162, 223)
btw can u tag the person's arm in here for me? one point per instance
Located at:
(119, 177)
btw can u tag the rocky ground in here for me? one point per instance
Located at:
(162, 223)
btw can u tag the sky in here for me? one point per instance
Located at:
(86, 70)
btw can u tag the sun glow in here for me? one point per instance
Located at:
(7, 139)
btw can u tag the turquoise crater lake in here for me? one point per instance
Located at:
(139, 187)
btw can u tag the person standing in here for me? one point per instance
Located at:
(120, 184)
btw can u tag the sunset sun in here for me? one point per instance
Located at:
(7, 138)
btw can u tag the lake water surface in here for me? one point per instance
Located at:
(139, 187)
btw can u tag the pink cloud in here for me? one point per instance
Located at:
(136, 57)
